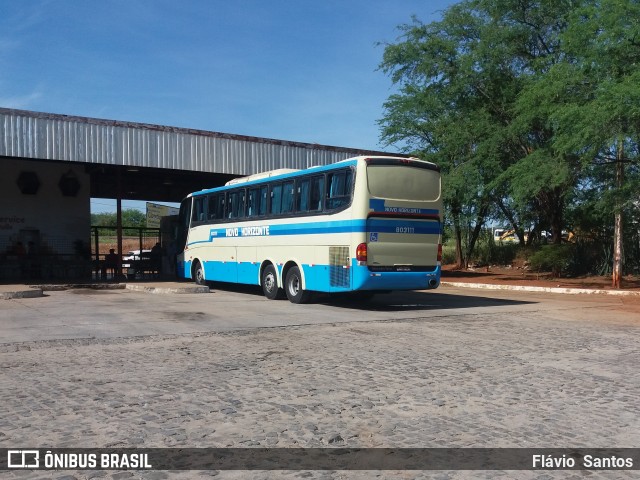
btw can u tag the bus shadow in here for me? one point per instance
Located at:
(253, 290)
(412, 301)
(385, 302)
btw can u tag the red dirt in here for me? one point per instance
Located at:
(520, 276)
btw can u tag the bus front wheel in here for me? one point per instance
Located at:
(198, 273)
(293, 287)
(270, 283)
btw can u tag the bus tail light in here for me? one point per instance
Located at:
(439, 253)
(361, 252)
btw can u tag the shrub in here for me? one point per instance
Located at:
(560, 260)
(492, 254)
(448, 254)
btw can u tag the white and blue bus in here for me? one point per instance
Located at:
(365, 224)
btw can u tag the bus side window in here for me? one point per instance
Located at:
(220, 206)
(213, 207)
(303, 195)
(287, 197)
(257, 201)
(242, 200)
(340, 185)
(276, 199)
(251, 203)
(236, 204)
(264, 190)
(229, 210)
(309, 194)
(316, 193)
(199, 209)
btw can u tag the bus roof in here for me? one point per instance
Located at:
(283, 173)
(259, 176)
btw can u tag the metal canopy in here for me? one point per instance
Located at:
(163, 185)
(151, 162)
(155, 162)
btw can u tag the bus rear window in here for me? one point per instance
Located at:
(403, 182)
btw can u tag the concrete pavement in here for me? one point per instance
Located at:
(171, 287)
(468, 381)
(109, 313)
(445, 368)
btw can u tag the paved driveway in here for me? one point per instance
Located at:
(450, 368)
(99, 314)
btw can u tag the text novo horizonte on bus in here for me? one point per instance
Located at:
(248, 231)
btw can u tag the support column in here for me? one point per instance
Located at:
(119, 221)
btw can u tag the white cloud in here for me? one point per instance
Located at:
(21, 101)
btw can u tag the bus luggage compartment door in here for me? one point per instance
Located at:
(339, 273)
(402, 243)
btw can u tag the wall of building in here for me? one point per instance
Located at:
(52, 221)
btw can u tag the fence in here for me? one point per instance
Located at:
(137, 245)
(42, 261)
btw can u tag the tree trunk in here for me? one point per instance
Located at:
(512, 221)
(555, 206)
(475, 234)
(457, 230)
(616, 281)
(535, 235)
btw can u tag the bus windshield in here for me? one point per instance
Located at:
(403, 182)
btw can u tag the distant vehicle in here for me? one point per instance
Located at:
(132, 256)
(135, 255)
(503, 235)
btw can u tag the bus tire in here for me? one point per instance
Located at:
(198, 273)
(293, 287)
(269, 281)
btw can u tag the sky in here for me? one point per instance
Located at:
(297, 70)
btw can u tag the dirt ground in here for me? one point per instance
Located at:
(521, 276)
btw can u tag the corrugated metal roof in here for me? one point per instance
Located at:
(48, 136)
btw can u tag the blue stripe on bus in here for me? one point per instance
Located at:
(406, 226)
(311, 228)
(315, 228)
(318, 277)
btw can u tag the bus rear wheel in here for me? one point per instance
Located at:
(270, 283)
(293, 287)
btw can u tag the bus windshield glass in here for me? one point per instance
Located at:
(403, 182)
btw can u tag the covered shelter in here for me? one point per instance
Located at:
(51, 165)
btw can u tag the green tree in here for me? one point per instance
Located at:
(591, 100)
(459, 80)
(130, 218)
(449, 110)
(537, 178)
